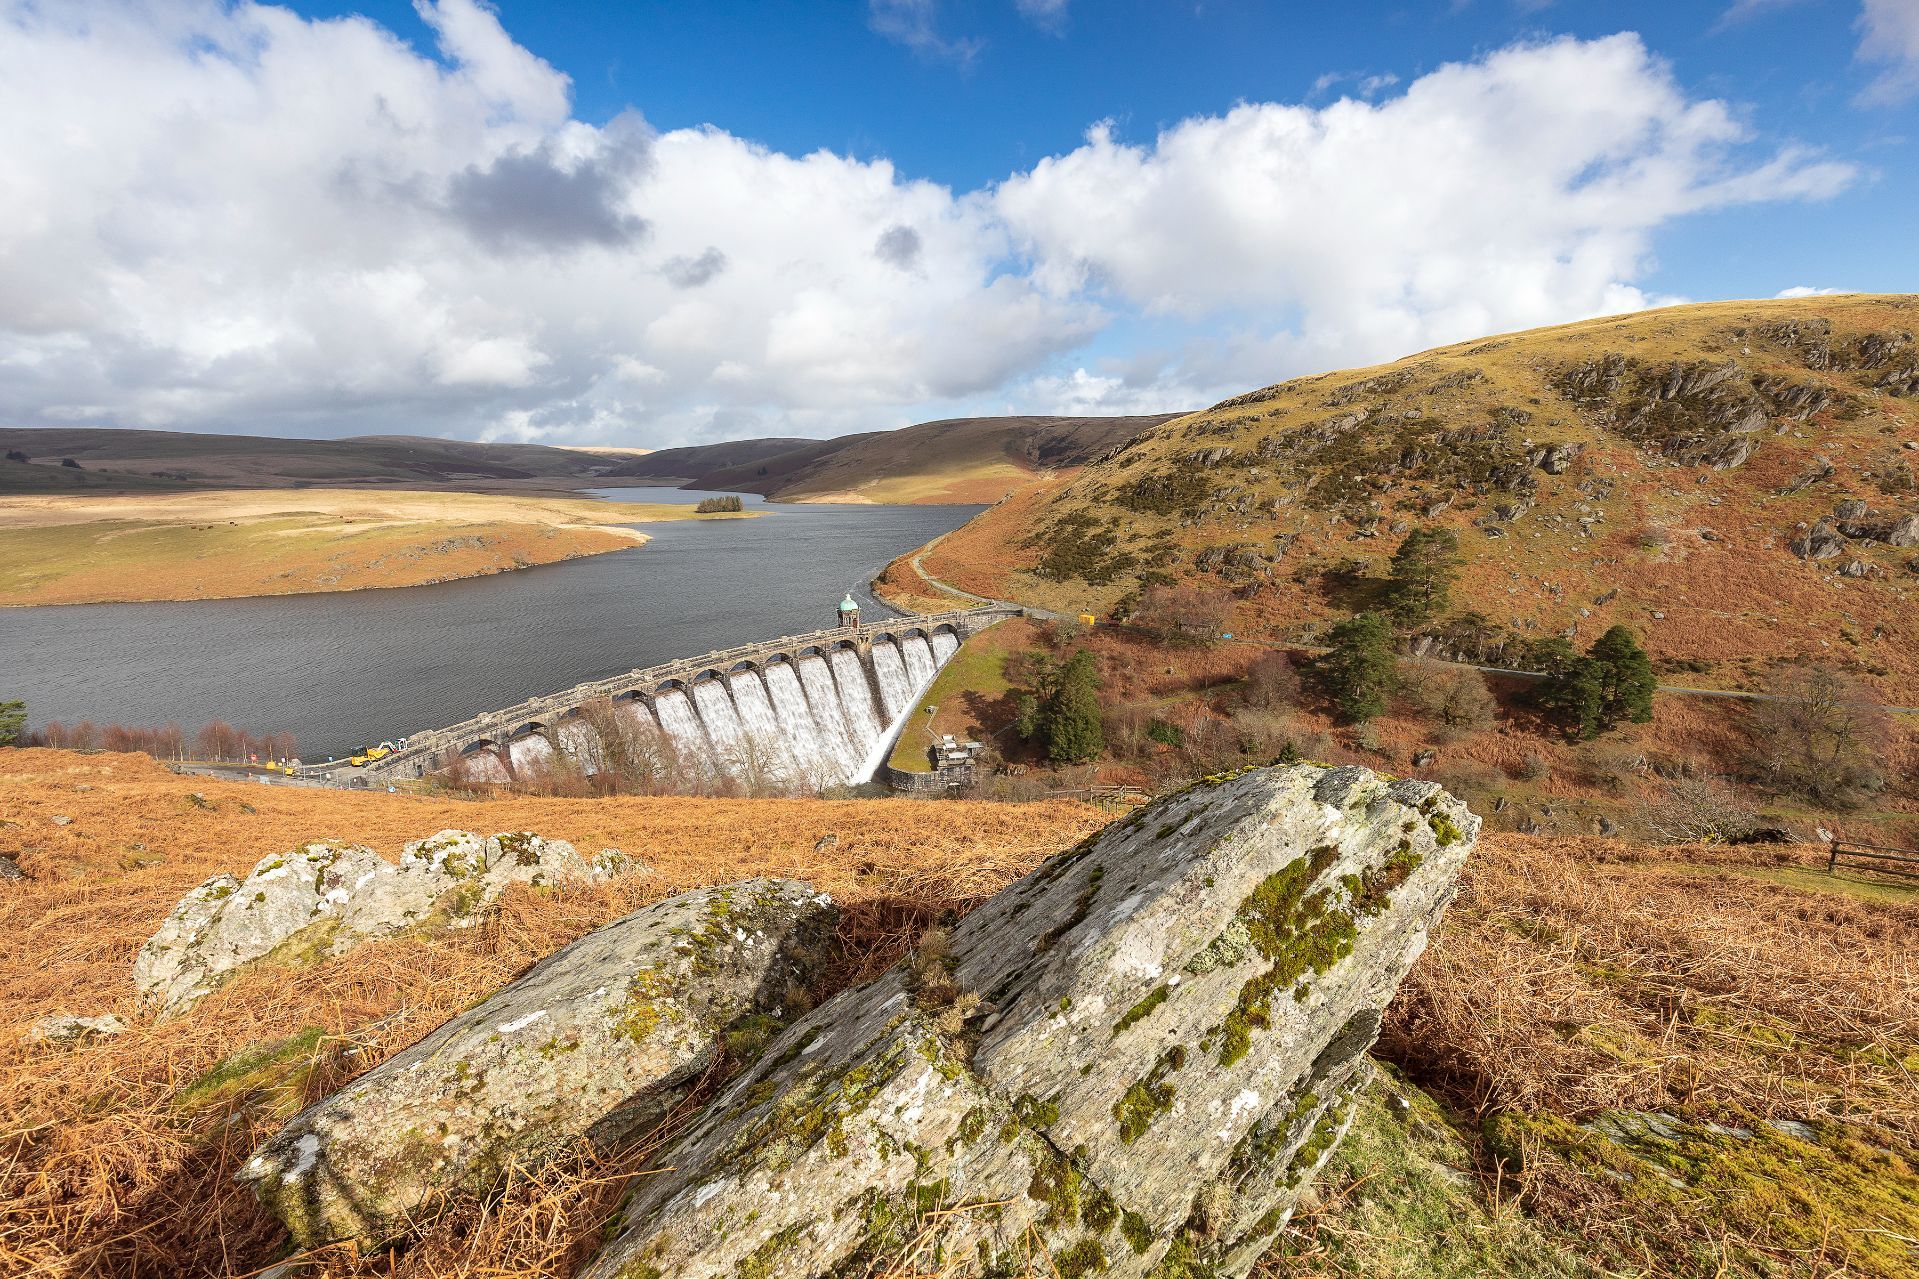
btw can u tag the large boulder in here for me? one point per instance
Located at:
(325, 898)
(1133, 1059)
(595, 1042)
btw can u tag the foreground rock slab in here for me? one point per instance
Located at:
(596, 1042)
(325, 898)
(1131, 1061)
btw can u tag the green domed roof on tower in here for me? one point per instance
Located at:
(847, 605)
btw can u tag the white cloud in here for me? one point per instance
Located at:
(1048, 15)
(1889, 32)
(915, 24)
(1808, 291)
(1522, 189)
(228, 216)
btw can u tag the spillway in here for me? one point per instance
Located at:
(792, 726)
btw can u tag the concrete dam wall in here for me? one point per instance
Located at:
(795, 715)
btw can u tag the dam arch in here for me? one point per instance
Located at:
(787, 715)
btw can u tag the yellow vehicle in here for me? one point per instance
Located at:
(358, 761)
(1087, 619)
(379, 752)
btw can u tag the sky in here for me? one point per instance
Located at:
(653, 224)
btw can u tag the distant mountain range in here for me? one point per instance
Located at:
(962, 460)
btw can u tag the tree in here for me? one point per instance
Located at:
(1073, 733)
(1456, 696)
(1626, 679)
(1820, 734)
(1422, 574)
(1062, 713)
(1270, 682)
(1358, 673)
(13, 723)
(1612, 684)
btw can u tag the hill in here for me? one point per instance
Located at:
(139, 461)
(84, 548)
(958, 460)
(1734, 481)
(1611, 1060)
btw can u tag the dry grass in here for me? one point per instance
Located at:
(1720, 589)
(225, 544)
(1572, 976)
(105, 1171)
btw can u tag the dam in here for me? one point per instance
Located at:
(792, 715)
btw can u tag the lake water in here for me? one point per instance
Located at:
(345, 669)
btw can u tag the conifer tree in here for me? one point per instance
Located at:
(1423, 571)
(1359, 670)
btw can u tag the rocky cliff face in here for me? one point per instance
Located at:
(1133, 1059)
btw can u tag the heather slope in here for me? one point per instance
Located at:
(1734, 481)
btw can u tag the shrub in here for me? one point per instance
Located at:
(717, 505)
(1456, 696)
(1358, 670)
(1820, 736)
(1271, 682)
(1698, 811)
(1183, 614)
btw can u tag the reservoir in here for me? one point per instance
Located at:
(345, 669)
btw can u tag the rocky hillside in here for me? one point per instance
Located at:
(959, 460)
(1735, 481)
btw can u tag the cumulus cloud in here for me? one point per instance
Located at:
(1807, 291)
(228, 216)
(1521, 189)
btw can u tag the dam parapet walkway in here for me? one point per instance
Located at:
(495, 732)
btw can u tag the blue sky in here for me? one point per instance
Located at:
(666, 223)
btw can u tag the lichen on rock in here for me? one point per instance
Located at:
(325, 898)
(594, 1043)
(1162, 1031)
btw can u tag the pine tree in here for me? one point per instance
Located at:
(1612, 684)
(1423, 571)
(1073, 732)
(1626, 678)
(1359, 671)
(13, 722)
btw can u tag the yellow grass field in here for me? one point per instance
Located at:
(230, 543)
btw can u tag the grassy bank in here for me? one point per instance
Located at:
(226, 544)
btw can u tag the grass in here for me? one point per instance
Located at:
(118, 1159)
(1723, 592)
(969, 697)
(220, 545)
(1847, 882)
(1573, 979)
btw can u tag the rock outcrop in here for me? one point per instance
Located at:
(65, 1029)
(596, 1042)
(325, 898)
(1133, 1059)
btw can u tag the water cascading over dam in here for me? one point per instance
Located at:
(800, 724)
(795, 716)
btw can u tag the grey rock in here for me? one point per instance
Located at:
(594, 1043)
(65, 1030)
(1140, 1053)
(1820, 542)
(1792, 1128)
(61, 819)
(323, 899)
(1855, 568)
(1556, 459)
(10, 869)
